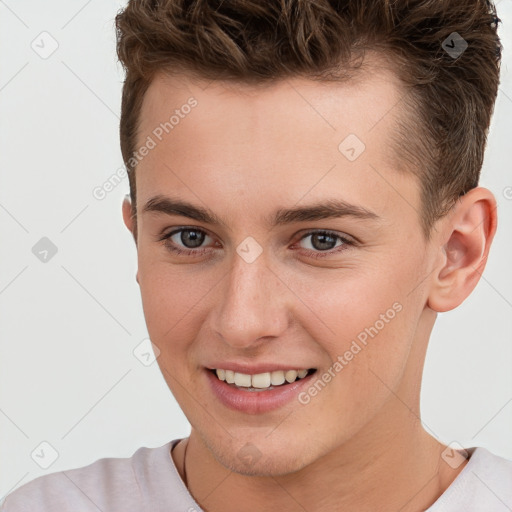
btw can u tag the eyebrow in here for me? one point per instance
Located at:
(329, 208)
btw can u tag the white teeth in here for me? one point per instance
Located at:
(277, 378)
(260, 380)
(290, 375)
(243, 380)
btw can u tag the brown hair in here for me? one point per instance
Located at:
(445, 114)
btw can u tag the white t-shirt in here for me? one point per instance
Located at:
(148, 481)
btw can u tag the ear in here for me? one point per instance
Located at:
(468, 233)
(129, 216)
(130, 222)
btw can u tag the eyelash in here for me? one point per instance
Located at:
(347, 243)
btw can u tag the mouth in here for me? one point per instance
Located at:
(258, 393)
(261, 381)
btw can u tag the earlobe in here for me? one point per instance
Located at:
(469, 232)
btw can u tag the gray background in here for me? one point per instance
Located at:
(68, 329)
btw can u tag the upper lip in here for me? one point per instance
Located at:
(253, 369)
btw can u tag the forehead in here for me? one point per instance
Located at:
(358, 104)
(281, 141)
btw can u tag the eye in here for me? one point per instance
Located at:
(185, 241)
(324, 243)
(188, 241)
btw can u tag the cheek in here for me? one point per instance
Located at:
(364, 320)
(170, 297)
(170, 301)
(369, 354)
(344, 302)
(169, 288)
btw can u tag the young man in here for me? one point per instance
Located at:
(304, 201)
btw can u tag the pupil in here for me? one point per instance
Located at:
(191, 238)
(321, 237)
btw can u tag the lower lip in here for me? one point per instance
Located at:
(256, 402)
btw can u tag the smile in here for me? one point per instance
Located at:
(257, 393)
(261, 381)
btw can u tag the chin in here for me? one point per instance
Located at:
(260, 458)
(272, 466)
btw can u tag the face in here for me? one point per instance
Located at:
(255, 289)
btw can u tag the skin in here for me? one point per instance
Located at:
(244, 152)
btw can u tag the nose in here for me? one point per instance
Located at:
(252, 304)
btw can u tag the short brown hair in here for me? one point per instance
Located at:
(446, 111)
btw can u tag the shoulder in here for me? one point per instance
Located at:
(106, 484)
(485, 483)
(494, 473)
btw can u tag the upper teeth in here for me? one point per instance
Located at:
(260, 380)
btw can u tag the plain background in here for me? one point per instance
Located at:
(68, 329)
